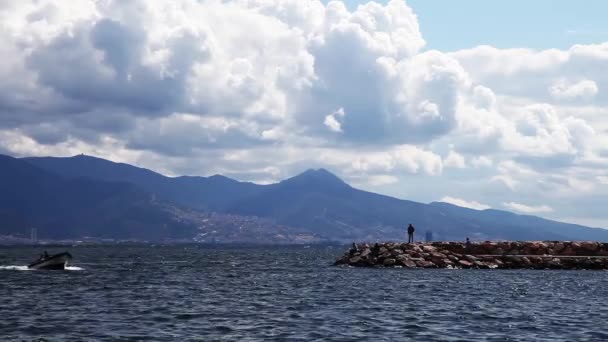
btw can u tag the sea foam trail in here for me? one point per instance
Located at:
(73, 268)
(15, 268)
(25, 268)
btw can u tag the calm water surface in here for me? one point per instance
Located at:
(147, 293)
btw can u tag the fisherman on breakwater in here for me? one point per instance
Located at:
(410, 233)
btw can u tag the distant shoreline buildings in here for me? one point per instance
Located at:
(34, 236)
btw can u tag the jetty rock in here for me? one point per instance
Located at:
(480, 255)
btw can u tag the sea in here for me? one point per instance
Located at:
(287, 293)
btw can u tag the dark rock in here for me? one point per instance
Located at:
(470, 258)
(384, 255)
(453, 258)
(354, 260)
(389, 262)
(424, 264)
(429, 248)
(480, 264)
(408, 263)
(465, 264)
(437, 255)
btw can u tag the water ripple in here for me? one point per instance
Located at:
(259, 294)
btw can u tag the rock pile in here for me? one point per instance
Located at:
(504, 255)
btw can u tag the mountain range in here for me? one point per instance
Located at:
(84, 196)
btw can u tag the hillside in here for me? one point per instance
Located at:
(67, 207)
(319, 203)
(204, 193)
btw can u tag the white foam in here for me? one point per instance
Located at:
(25, 268)
(74, 268)
(15, 268)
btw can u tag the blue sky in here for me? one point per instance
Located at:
(539, 24)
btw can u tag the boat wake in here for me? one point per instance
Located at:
(14, 268)
(25, 268)
(73, 268)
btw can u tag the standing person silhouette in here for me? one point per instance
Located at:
(410, 233)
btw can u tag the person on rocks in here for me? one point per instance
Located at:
(468, 245)
(410, 233)
(375, 248)
(353, 249)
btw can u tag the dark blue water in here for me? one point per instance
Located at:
(287, 293)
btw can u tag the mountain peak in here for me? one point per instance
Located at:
(316, 177)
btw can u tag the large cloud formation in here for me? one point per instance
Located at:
(260, 89)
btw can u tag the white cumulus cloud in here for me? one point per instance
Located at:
(564, 90)
(527, 209)
(332, 121)
(455, 160)
(464, 203)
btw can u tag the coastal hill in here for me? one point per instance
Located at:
(310, 207)
(62, 207)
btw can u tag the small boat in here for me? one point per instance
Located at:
(51, 262)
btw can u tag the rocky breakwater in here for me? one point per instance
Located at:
(502, 255)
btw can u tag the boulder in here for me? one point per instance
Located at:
(414, 254)
(567, 251)
(396, 252)
(389, 262)
(513, 260)
(590, 246)
(424, 264)
(453, 258)
(465, 264)
(416, 248)
(480, 264)
(429, 249)
(470, 258)
(408, 263)
(354, 260)
(555, 263)
(558, 247)
(447, 262)
(437, 255)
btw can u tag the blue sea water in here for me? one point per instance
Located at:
(196, 293)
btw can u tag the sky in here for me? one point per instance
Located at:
(477, 103)
(538, 24)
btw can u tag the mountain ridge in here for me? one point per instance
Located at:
(318, 202)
